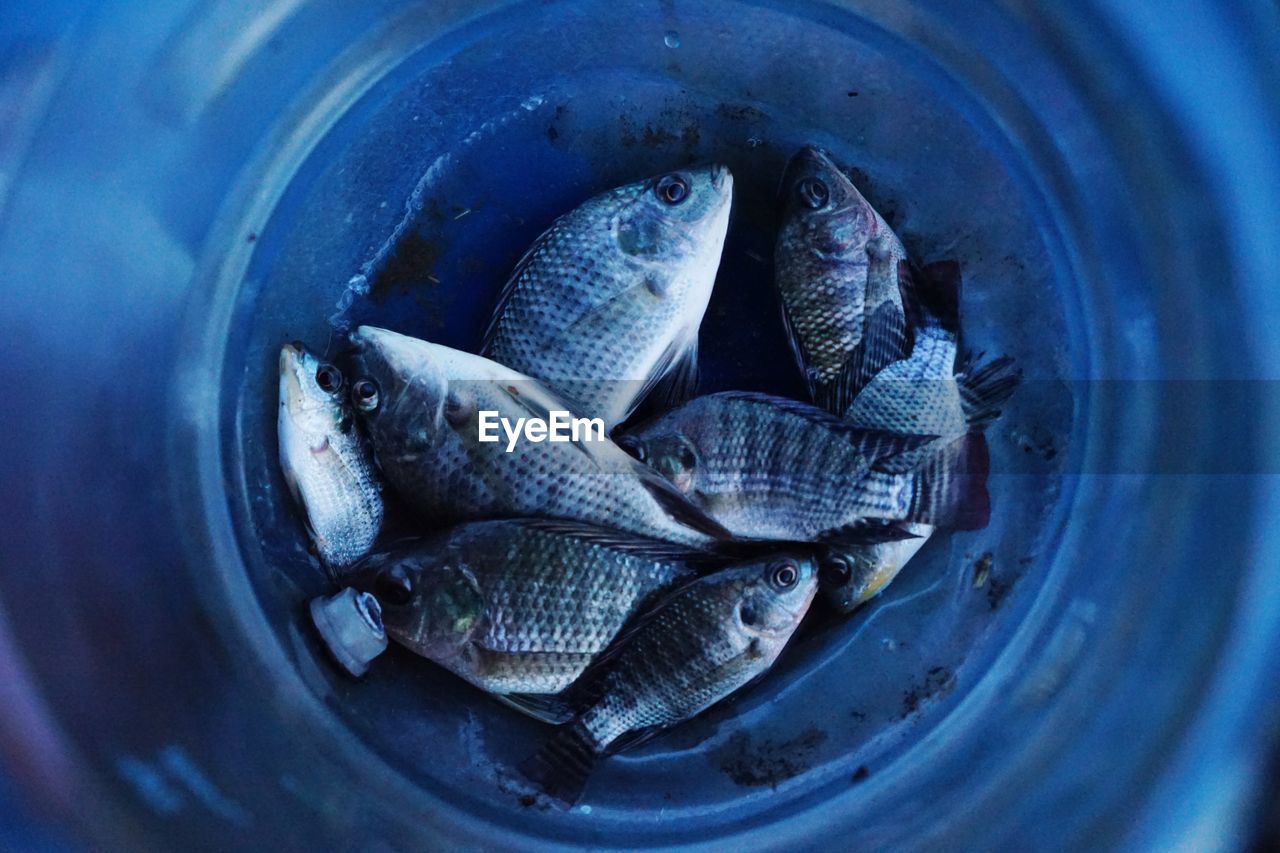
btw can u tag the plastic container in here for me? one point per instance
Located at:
(188, 185)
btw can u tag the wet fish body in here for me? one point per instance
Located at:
(423, 418)
(608, 301)
(326, 463)
(519, 606)
(771, 468)
(837, 264)
(704, 641)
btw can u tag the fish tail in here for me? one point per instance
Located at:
(564, 763)
(950, 487)
(985, 387)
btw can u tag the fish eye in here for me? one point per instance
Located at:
(672, 189)
(813, 193)
(784, 575)
(394, 586)
(329, 378)
(633, 446)
(836, 570)
(365, 394)
(686, 458)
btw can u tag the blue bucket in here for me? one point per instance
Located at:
(188, 185)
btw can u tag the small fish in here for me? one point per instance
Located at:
(328, 467)
(921, 393)
(608, 301)
(701, 643)
(519, 606)
(422, 403)
(771, 468)
(836, 266)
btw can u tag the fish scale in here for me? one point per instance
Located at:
(325, 462)
(610, 297)
(539, 599)
(699, 645)
(776, 469)
(449, 475)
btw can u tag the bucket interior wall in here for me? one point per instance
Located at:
(314, 168)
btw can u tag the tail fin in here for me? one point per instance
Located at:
(984, 387)
(950, 487)
(931, 294)
(563, 764)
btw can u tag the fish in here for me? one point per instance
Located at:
(771, 468)
(704, 641)
(836, 265)
(605, 306)
(921, 392)
(327, 465)
(422, 404)
(521, 605)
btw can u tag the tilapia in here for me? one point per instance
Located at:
(519, 606)
(608, 301)
(327, 465)
(697, 646)
(920, 393)
(422, 404)
(771, 468)
(836, 266)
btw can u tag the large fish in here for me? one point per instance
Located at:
(697, 646)
(919, 393)
(422, 403)
(519, 606)
(328, 467)
(771, 468)
(836, 266)
(608, 301)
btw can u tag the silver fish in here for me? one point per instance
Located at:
(920, 393)
(328, 467)
(422, 405)
(608, 301)
(519, 606)
(836, 266)
(704, 641)
(770, 468)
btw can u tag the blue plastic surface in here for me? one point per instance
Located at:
(187, 186)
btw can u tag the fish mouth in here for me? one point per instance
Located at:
(721, 177)
(292, 364)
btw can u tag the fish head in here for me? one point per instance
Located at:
(675, 223)
(825, 219)
(431, 603)
(776, 593)
(852, 574)
(312, 394)
(669, 452)
(400, 386)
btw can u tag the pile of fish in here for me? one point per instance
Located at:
(624, 577)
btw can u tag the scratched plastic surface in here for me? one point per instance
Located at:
(388, 164)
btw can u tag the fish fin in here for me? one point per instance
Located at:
(931, 294)
(884, 341)
(875, 444)
(984, 387)
(549, 708)
(949, 488)
(658, 550)
(676, 505)
(868, 532)
(509, 288)
(678, 381)
(798, 352)
(563, 764)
